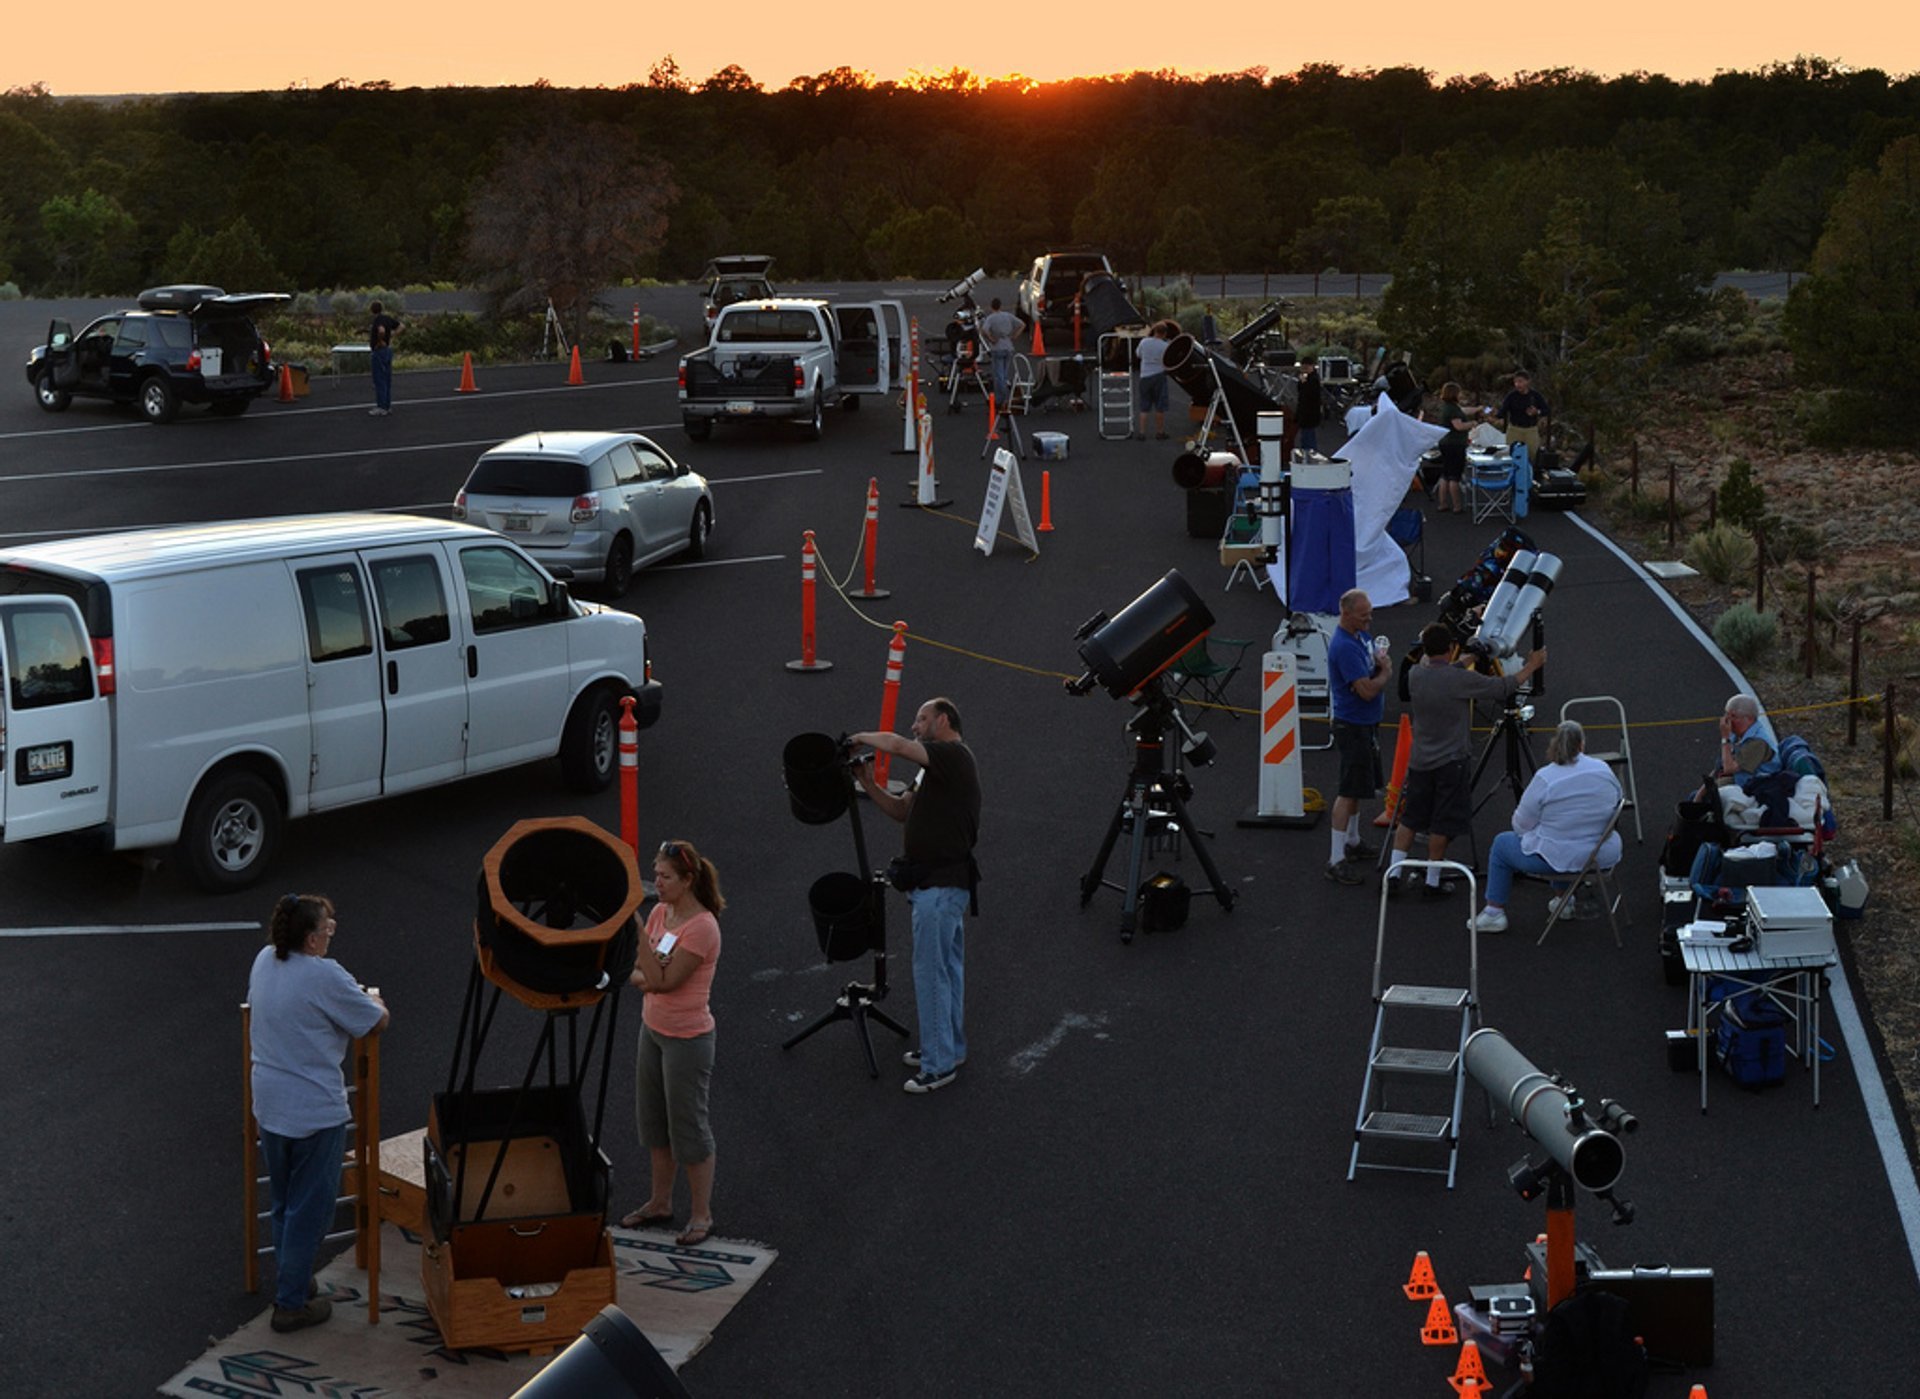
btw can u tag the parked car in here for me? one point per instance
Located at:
(789, 358)
(197, 687)
(736, 277)
(184, 344)
(595, 504)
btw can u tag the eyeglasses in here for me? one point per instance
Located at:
(674, 851)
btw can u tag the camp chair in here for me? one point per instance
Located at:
(1208, 671)
(1490, 491)
(1600, 880)
(1408, 528)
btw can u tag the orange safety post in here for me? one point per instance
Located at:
(1039, 345)
(1699, 1391)
(286, 383)
(872, 540)
(1420, 1283)
(1470, 1375)
(466, 374)
(629, 775)
(574, 376)
(1397, 784)
(636, 330)
(807, 661)
(1046, 501)
(1439, 1330)
(993, 418)
(890, 696)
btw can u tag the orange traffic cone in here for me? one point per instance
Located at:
(1402, 753)
(1699, 1391)
(1420, 1283)
(1039, 345)
(574, 376)
(1469, 1376)
(286, 383)
(1439, 1328)
(1046, 502)
(466, 374)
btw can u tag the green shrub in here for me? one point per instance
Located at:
(1722, 553)
(1743, 500)
(9, 291)
(1744, 634)
(1689, 344)
(454, 333)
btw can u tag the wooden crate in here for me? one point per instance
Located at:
(488, 1284)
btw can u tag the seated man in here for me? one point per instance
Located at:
(1560, 816)
(1748, 748)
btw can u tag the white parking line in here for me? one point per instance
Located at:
(120, 929)
(355, 407)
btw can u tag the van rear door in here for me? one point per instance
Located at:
(55, 728)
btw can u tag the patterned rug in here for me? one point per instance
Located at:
(675, 1295)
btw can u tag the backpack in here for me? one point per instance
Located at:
(1797, 757)
(1587, 1350)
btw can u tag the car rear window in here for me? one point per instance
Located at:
(768, 327)
(527, 476)
(1078, 262)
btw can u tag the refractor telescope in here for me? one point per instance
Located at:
(963, 286)
(1585, 1146)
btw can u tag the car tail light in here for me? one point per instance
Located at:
(103, 663)
(683, 376)
(1039, 304)
(460, 506)
(799, 379)
(193, 360)
(585, 508)
(266, 353)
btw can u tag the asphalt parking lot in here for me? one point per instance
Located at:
(1138, 1184)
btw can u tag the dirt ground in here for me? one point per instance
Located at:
(1865, 509)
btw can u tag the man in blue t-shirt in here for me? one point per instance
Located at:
(1357, 671)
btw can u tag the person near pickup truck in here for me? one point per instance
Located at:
(380, 333)
(999, 328)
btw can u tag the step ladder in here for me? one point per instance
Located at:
(1116, 388)
(1443, 1010)
(1620, 757)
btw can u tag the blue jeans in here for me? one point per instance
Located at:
(1002, 374)
(1507, 859)
(939, 975)
(381, 362)
(303, 1174)
(1307, 439)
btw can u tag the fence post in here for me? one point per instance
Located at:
(1886, 756)
(1633, 468)
(1713, 508)
(1673, 516)
(1853, 688)
(1809, 641)
(1759, 568)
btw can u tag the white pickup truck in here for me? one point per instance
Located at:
(790, 357)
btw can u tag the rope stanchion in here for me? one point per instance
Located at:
(872, 540)
(808, 566)
(636, 330)
(629, 775)
(910, 403)
(1282, 796)
(927, 486)
(1046, 502)
(890, 697)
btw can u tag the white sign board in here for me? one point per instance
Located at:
(1005, 492)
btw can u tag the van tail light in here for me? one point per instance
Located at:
(586, 508)
(193, 360)
(103, 663)
(799, 379)
(460, 505)
(682, 380)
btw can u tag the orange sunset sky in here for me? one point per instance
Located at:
(120, 47)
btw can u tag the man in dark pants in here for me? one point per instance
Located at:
(1357, 671)
(380, 333)
(1439, 796)
(942, 816)
(1307, 410)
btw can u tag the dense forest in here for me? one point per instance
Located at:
(1547, 213)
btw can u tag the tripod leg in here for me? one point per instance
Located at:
(840, 1011)
(859, 1015)
(1141, 802)
(875, 1013)
(1220, 889)
(1090, 881)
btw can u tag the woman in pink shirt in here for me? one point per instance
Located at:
(675, 1067)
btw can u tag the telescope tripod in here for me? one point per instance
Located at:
(858, 1000)
(1510, 737)
(1153, 794)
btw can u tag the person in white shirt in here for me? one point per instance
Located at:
(998, 329)
(1153, 377)
(1560, 816)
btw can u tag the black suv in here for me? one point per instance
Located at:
(186, 344)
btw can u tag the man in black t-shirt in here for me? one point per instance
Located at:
(1306, 412)
(941, 812)
(1524, 415)
(380, 333)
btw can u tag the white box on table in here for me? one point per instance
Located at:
(1790, 922)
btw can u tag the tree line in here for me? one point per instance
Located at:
(1561, 215)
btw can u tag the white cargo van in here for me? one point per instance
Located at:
(198, 686)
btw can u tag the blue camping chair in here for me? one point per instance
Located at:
(1490, 490)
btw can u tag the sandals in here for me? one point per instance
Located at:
(694, 1234)
(640, 1219)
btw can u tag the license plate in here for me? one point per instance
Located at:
(741, 406)
(516, 522)
(49, 761)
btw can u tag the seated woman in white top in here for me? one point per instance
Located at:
(1560, 816)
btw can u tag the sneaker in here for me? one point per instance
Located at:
(1345, 873)
(1360, 850)
(378, 412)
(1490, 920)
(1437, 891)
(912, 1059)
(317, 1310)
(1553, 905)
(924, 1082)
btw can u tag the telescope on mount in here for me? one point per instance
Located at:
(963, 286)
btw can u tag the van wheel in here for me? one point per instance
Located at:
(590, 747)
(699, 429)
(816, 424)
(619, 567)
(232, 830)
(54, 400)
(158, 402)
(701, 531)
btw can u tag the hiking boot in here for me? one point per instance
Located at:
(925, 1082)
(317, 1310)
(1344, 873)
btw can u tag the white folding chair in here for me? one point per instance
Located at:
(1619, 757)
(1601, 880)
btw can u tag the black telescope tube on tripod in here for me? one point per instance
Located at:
(1188, 364)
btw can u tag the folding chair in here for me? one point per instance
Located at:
(1490, 491)
(1209, 673)
(1619, 757)
(1408, 528)
(1600, 879)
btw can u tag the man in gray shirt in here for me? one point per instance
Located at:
(1439, 793)
(998, 329)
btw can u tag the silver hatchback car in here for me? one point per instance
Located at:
(599, 504)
